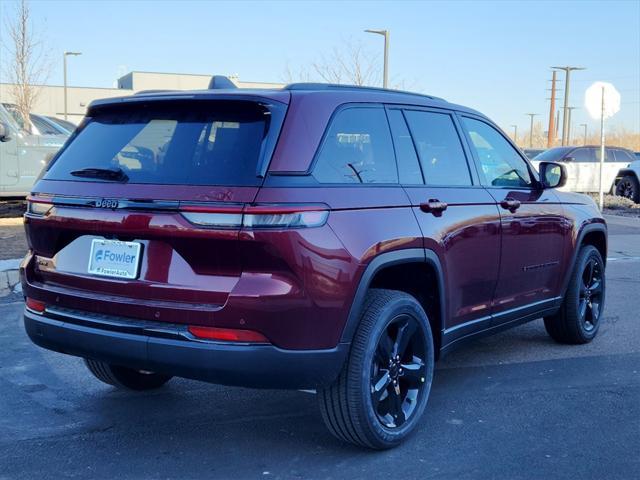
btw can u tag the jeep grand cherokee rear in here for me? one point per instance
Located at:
(315, 237)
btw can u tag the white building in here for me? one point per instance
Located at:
(50, 100)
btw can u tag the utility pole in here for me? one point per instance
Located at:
(552, 112)
(64, 68)
(515, 134)
(569, 111)
(557, 122)
(385, 34)
(531, 128)
(567, 74)
(584, 142)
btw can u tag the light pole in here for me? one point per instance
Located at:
(584, 142)
(515, 134)
(567, 73)
(570, 111)
(385, 34)
(531, 128)
(64, 68)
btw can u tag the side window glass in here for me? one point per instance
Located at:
(582, 155)
(357, 149)
(408, 166)
(608, 155)
(500, 163)
(621, 156)
(439, 149)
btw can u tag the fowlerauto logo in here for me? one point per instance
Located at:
(114, 257)
(107, 203)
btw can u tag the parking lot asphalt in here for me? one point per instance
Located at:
(514, 405)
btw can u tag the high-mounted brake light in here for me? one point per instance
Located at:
(257, 216)
(35, 305)
(227, 334)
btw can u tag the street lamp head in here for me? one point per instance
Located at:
(379, 32)
(73, 53)
(569, 68)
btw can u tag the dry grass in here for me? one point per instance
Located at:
(618, 205)
(615, 138)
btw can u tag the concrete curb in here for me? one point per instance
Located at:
(11, 222)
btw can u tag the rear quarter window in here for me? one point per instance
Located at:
(357, 149)
(197, 143)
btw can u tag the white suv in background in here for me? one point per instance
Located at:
(620, 174)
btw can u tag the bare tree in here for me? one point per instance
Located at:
(349, 64)
(27, 65)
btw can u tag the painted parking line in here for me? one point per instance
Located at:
(623, 259)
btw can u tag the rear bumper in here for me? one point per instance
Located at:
(168, 349)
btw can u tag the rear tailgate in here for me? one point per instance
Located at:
(172, 156)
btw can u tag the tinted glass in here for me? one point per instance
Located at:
(43, 127)
(357, 149)
(439, 148)
(501, 164)
(408, 166)
(623, 155)
(552, 155)
(608, 155)
(582, 155)
(208, 143)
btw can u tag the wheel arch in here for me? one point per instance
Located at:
(594, 234)
(383, 272)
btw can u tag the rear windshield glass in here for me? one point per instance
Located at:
(185, 143)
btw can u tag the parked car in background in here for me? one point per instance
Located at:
(583, 169)
(637, 155)
(22, 155)
(628, 182)
(45, 126)
(40, 124)
(67, 125)
(532, 152)
(320, 237)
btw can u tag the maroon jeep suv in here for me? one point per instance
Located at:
(318, 236)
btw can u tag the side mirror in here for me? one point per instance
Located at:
(4, 133)
(569, 159)
(552, 174)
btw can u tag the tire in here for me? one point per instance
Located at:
(629, 187)
(348, 407)
(578, 319)
(125, 378)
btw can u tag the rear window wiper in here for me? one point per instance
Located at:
(115, 174)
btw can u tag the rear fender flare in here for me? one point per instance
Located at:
(382, 261)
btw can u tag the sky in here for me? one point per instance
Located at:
(491, 56)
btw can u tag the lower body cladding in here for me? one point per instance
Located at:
(168, 349)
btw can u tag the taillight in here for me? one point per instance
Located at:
(227, 334)
(257, 216)
(38, 207)
(35, 305)
(281, 216)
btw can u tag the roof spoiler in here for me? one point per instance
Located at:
(219, 82)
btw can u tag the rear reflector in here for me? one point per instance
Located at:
(35, 305)
(227, 334)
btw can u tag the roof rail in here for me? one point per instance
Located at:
(337, 86)
(219, 82)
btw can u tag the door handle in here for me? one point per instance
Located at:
(510, 204)
(433, 206)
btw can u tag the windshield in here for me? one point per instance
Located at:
(187, 143)
(552, 155)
